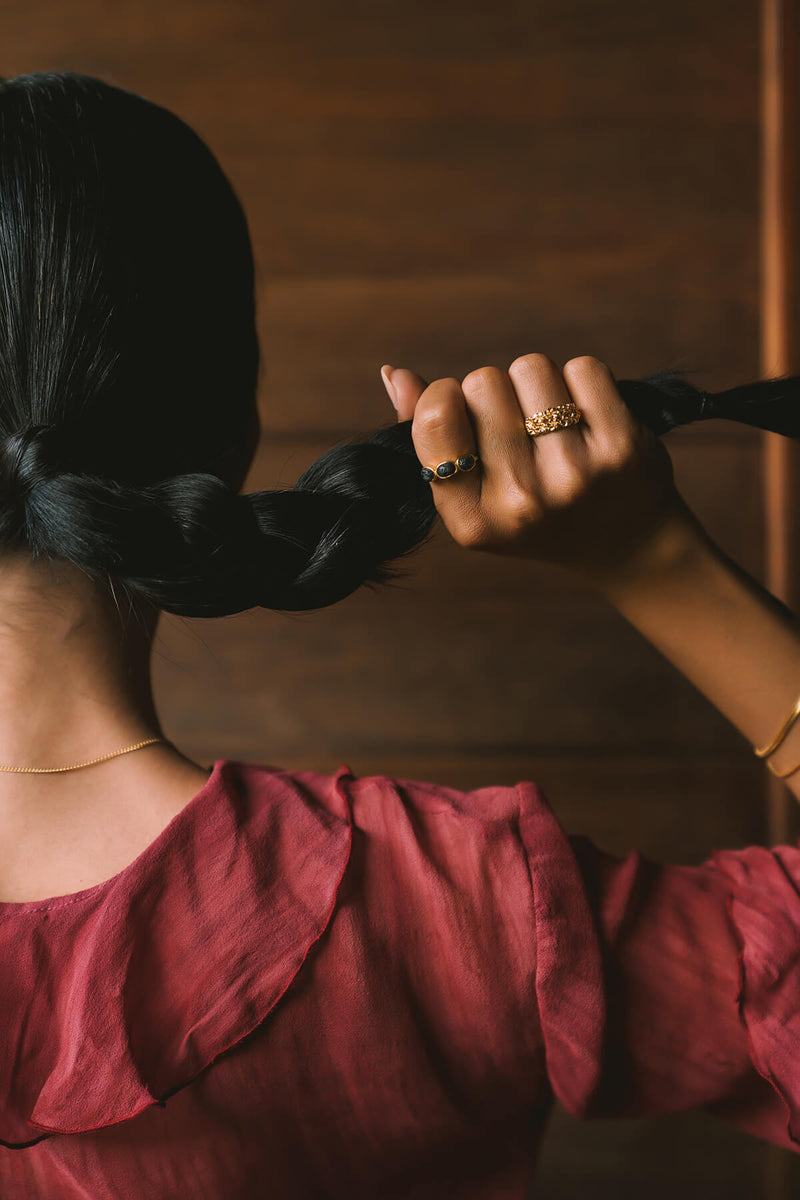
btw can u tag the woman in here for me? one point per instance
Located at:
(244, 980)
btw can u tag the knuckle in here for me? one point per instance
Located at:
(584, 364)
(533, 364)
(434, 408)
(440, 391)
(569, 483)
(431, 418)
(467, 533)
(618, 451)
(464, 536)
(521, 508)
(619, 456)
(482, 378)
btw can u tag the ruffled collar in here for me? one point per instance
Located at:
(117, 996)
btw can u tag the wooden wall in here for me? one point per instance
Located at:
(445, 186)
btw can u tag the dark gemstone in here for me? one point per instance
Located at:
(446, 468)
(427, 474)
(465, 462)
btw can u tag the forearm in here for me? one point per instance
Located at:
(736, 642)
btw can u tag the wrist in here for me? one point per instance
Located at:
(678, 545)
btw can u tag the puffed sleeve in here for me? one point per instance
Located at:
(701, 983)
(545, 965)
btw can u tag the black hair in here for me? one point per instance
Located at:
(128, 369)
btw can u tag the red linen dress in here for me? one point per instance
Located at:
(321, 986)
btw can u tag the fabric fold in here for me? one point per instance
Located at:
(167, 965)
(764, 908)
(570, 985)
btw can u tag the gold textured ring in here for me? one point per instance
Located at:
(559, 417)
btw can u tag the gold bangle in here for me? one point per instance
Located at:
(782, 774)
(781, 734)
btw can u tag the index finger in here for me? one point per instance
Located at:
(445, 442)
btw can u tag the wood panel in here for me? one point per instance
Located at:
(559, 669)
(442, 187)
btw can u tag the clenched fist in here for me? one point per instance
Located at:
(588, 497)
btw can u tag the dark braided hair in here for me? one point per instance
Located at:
(128, 370)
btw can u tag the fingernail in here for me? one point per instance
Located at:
(386, 373)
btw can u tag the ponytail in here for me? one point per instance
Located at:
(191, 545)
(665, 400)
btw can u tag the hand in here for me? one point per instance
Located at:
(591, 497)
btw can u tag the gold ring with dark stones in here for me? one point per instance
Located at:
(467, 462)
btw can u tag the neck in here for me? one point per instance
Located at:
(74, 667)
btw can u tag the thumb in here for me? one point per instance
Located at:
(404, 388)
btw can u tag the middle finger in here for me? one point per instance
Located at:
(499, 402)
(499, 424)
(539, 385)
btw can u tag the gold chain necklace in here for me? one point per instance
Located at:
(75, 766)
